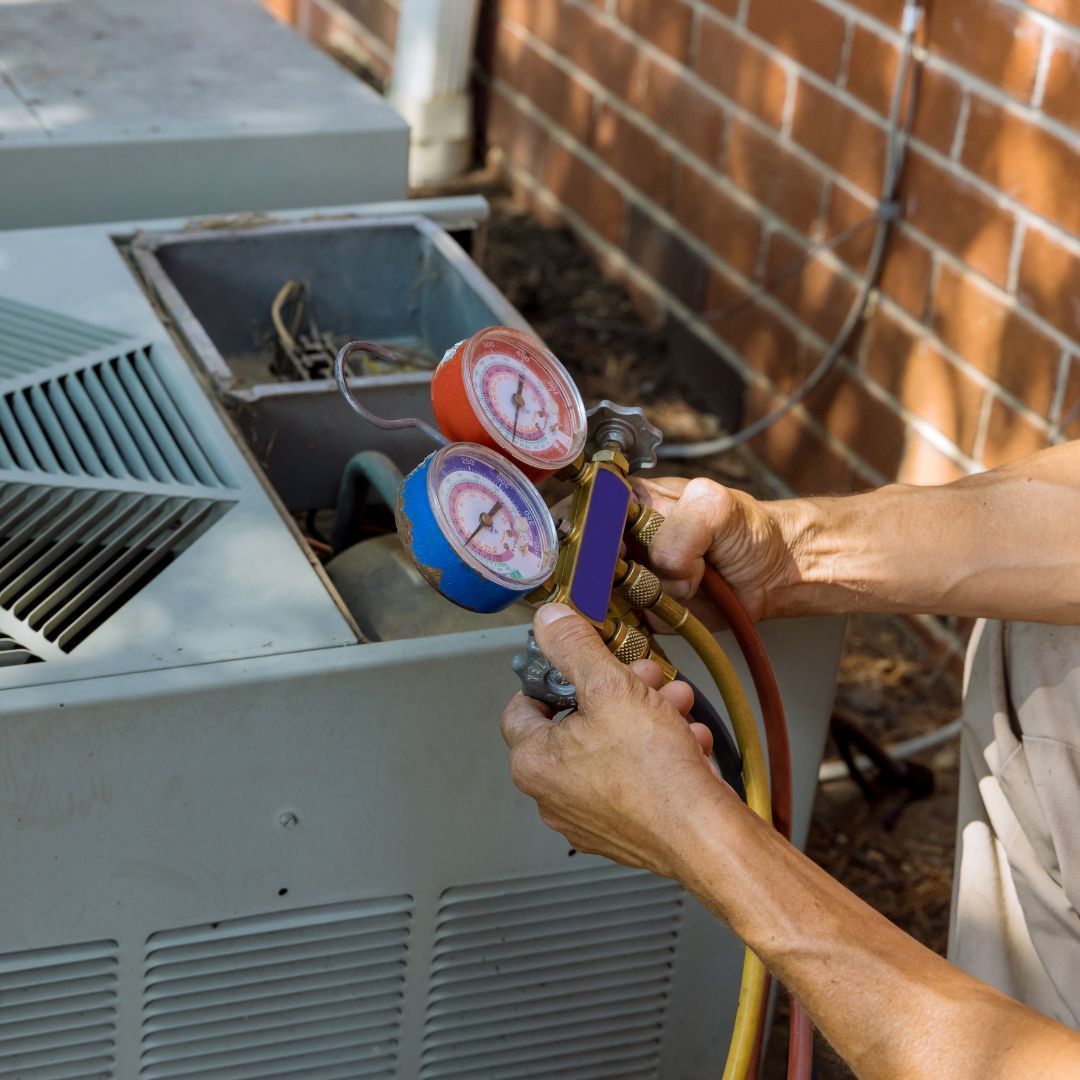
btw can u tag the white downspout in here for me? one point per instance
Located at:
(432, 60)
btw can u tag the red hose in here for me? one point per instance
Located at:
(801, 1031)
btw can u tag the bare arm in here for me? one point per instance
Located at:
(626, 777)
(1004, 544)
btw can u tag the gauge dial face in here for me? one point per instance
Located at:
(524, 398)
(492, 515)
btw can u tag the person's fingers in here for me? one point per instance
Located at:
(572, 644)
(660, 493)
(679, 694)
(704, 738)
(689, 531)
(649, 672)
(522, 718)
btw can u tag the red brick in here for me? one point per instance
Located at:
(804, 30)
(818, 294)
(541, 20)
(764, 342)
(1066, 10)
(840, 137)
(996, 339)
(586, 192)
(905, 272)
(871, 78)
(923, 380)
(664, 23)
(887, 11)
(859, 420)
(523, 140)
(1010, 435)
(1062, 96)
(378, 16)
(728, 7)
(774, 176)
(548, 87)
(958, 217)
(716, 219)
(1050, 282)
(796, 454)
(598, 49)
(741, 71)
(989, 39)
(1033, 166)
(633, 153)
(669, 98)
(1070, 406)
(924, 464)
(666, 257)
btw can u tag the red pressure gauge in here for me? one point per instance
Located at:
(502, 389)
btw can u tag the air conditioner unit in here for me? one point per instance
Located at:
(237, 840)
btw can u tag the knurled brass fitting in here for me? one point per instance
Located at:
(634, 645)
(640, 588)
(646, 525)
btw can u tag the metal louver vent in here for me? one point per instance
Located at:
(71, 557)
(559, 976)
(58, 1012)
(114, 417)
(12, 653)
(315, 993)
(33, 337)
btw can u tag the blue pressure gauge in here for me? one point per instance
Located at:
(475, 527)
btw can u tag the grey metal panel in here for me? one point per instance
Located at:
(167, 796)
(119, 109)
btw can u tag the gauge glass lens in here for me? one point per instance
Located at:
(492, 515)
(525, 398)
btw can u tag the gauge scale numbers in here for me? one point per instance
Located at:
(496, 520)
(526, 399)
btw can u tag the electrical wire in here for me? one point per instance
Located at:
(887, 212)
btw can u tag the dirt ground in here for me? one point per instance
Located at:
(898, 858)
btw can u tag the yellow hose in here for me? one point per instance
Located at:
(750, 1013)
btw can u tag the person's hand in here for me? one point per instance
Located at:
(731, 531)
(623, 774)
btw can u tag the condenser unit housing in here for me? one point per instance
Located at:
(239, 841)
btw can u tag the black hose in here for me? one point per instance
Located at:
(725, 752)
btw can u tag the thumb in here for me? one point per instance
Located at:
(572, 644)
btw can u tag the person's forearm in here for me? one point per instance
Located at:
(889, 1006)
(1004, 544)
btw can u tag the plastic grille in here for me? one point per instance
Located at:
(32, 338)
(313, 993)
(12, 653)
(71, 557)
(565, 975)
(58, 1012)
(112, 418)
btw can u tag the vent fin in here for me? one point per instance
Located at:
(58, 1012)
(12, 653)
(565, 975)
(70, 558)
(33, 338)
(114, 417)
(314, 993)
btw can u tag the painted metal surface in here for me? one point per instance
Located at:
(115, 109)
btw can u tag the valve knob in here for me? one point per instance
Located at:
(628, 429)
(540, 681)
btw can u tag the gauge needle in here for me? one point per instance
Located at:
(486, 521)
(518, 400)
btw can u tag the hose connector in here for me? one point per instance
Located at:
(639, 586)
(644, 523)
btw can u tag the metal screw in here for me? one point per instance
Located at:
(288, 820)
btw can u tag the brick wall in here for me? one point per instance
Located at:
(701, 146)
